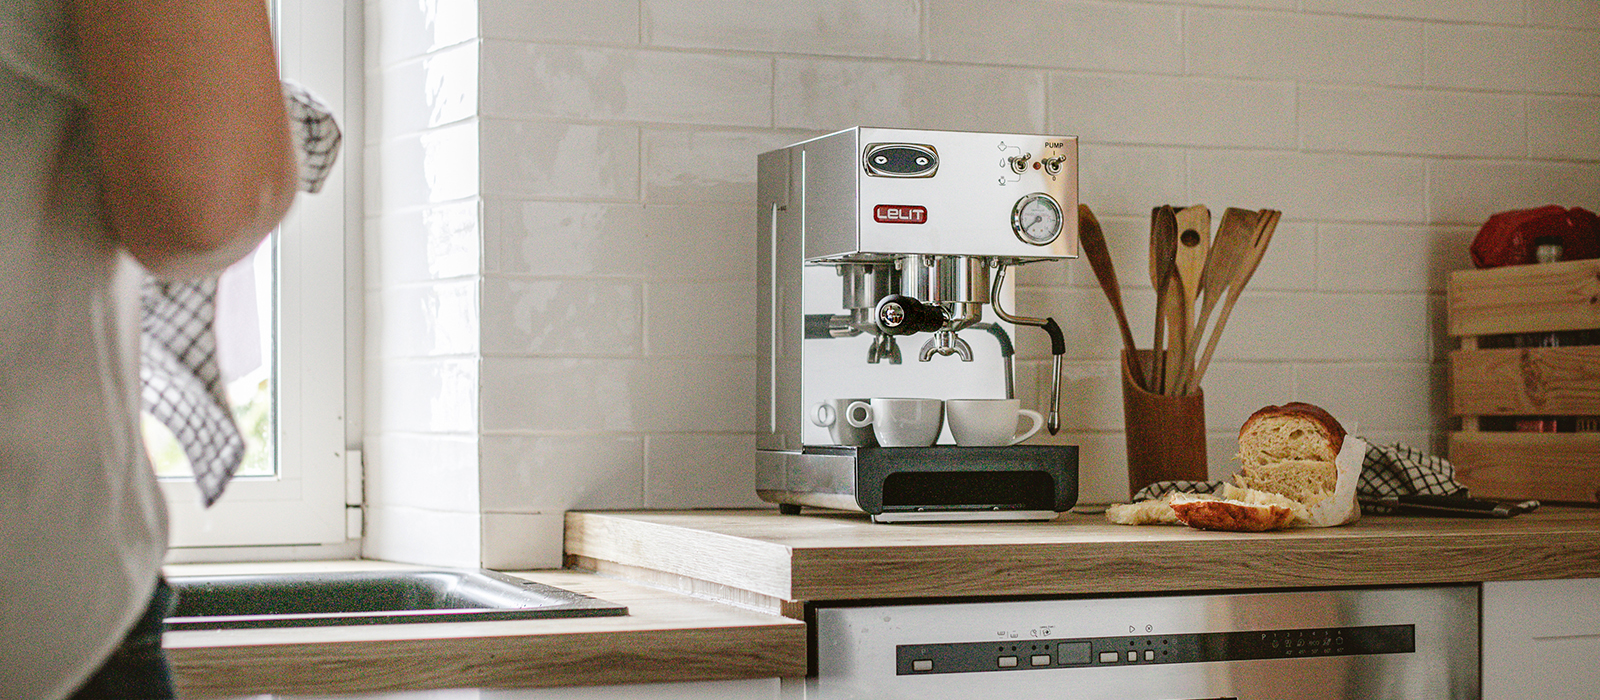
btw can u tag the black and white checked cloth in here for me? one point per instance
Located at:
(1387, 471)
(182, 382)
(316, 135)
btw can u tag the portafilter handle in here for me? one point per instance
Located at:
(898, 314)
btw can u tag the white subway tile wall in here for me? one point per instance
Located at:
(561, 222)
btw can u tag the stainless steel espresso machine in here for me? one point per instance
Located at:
(882, 272)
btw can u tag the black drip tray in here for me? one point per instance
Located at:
(371, 598)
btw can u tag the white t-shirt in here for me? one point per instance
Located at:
(82, 522)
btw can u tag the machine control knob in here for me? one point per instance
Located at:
(1052, 164)
(1019, 164)
(899, 314)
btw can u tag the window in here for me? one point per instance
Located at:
(291, 303)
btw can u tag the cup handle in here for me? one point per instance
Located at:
(1038, 422)
(866, 416)
(822, 415)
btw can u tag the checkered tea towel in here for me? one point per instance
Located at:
(182, 384)
(1387, 471)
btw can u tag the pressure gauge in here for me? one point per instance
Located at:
(1036, 219)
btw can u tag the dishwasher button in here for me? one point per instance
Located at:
(1149, 655)
(922, 665)
(1040, 660)
(1108, 657)
(1133, 656)
(1008, 662)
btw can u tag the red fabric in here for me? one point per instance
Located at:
(1509, 238)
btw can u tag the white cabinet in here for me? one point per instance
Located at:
(1541, 639)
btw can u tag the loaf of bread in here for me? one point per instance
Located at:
(1290, 450)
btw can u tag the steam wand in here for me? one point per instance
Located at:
(1058, 346)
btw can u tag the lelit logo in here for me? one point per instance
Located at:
(900, 214)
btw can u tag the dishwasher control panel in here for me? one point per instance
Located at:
(969, 657)
(1379, 643)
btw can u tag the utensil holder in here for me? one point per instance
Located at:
(1166, 434)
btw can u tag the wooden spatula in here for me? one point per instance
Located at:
(1194, 241)
(1163, 269)
(1266, 223)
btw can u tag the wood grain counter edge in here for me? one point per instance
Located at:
(664, 638)
(841, 557)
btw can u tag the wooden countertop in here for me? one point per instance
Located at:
(770, 561)
(665, 637)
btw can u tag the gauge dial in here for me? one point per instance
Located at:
(1036, 219)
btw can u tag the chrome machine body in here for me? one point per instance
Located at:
(882, 272)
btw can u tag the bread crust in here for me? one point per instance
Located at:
(1304, 410)
(1231, 516)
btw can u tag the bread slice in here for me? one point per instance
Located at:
(1293, 431)
(1306, 481)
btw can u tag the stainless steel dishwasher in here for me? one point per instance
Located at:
(1368, 644)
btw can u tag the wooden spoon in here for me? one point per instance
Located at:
(1094, 246)
(1266, 223)
(1163, 251)
(1194, 240)
(1222, 260)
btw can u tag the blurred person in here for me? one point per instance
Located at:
(136, 135)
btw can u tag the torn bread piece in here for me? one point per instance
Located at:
(1212, 513)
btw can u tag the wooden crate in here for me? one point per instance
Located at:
(1561, 382)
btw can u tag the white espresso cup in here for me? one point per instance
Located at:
(899, 422)
(830, 414)
(989, 422)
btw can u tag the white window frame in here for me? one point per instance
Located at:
(312, 507)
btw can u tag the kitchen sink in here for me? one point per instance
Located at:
(371, 597)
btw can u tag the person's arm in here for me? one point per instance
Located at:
(187, 121)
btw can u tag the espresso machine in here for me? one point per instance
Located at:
(882, 272)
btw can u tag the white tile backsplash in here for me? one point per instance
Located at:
(427, 244)
(1457, 193)
(700, 471)
(1160, 110)
(831, 94)
(865, 28)
(548, 317)
(1305, 47)
(1412, 121)
(430, 92)
(1489, 11)
(1574, 14)
(562, 21)
(615, 84)
(1563, 128)
(424, 471)
(557, 473)
(1512, 59)
(1317, 186)
(560, 216)
(1121, 36)
(402, 29)
(565, 161)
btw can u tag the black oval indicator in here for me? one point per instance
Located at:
(901, 160)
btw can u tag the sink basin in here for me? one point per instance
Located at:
(371, 597)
